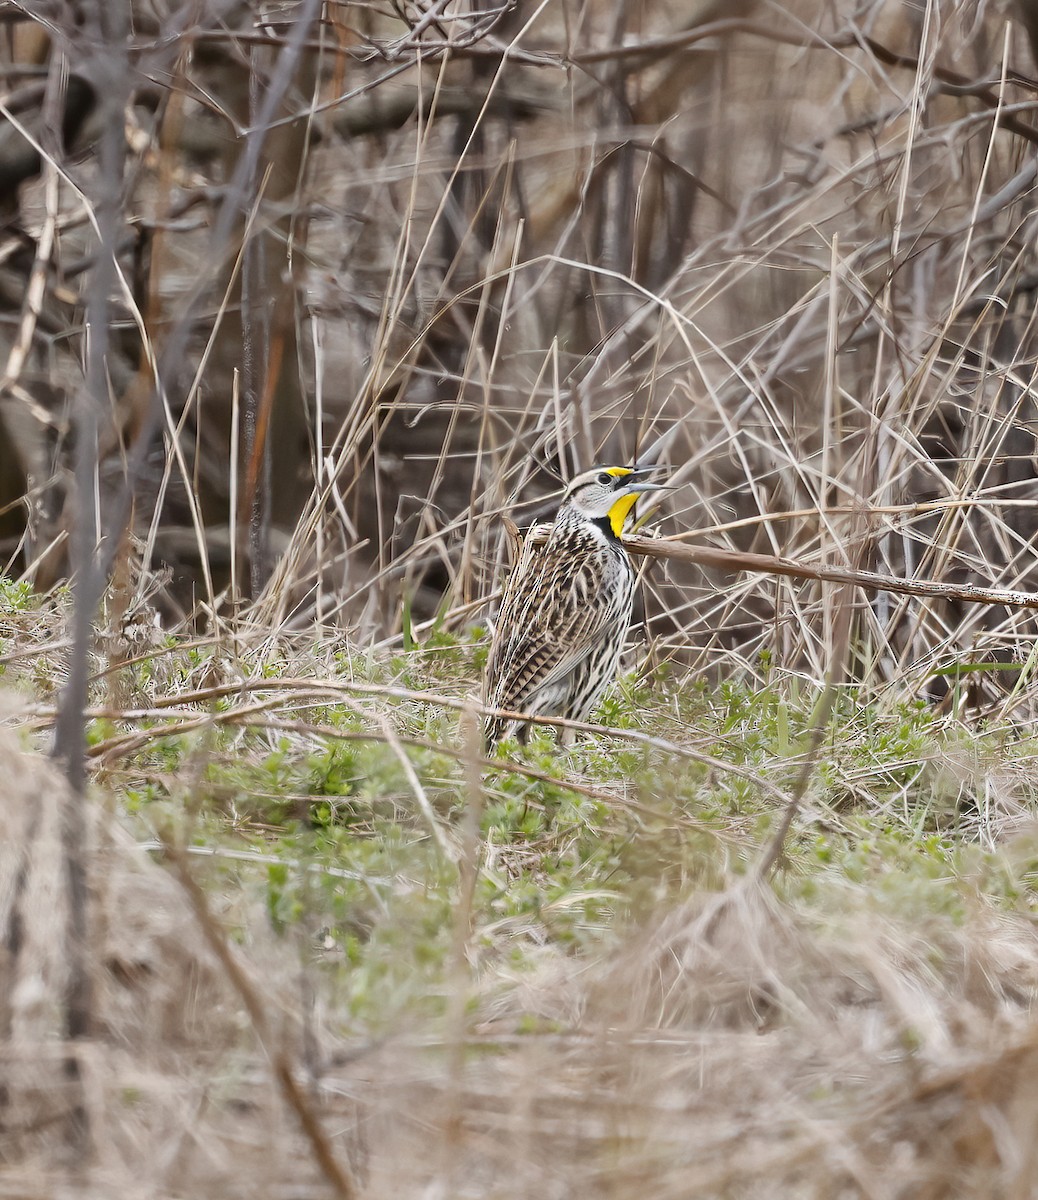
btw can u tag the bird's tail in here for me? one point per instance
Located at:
(497, 728)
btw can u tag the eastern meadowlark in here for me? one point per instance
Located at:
(566, 607)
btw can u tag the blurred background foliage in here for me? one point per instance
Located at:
(389, 270)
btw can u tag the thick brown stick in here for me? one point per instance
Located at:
(337, 1173)
(735, 560)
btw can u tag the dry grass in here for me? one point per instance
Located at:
(795, 244)
(738, 1044)
(372, 292)
(862, 1025)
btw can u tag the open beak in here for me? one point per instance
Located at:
(628, 491)
(640, 487)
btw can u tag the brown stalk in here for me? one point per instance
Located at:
(872, 581)
(337, 1173)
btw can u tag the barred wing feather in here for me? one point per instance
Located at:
(552, 616)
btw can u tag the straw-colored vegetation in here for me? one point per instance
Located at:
(299, 304)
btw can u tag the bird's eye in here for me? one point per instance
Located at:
(605, 479)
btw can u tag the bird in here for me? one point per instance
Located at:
(566, 607)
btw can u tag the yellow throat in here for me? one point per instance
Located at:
(620, 511)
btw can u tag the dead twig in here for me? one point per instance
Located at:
(872, 581)
(337, 1173)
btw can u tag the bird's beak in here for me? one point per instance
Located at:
(628, 484)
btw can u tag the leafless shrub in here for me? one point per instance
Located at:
(368, 305)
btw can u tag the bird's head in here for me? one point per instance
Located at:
(608, 493)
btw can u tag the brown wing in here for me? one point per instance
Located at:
(553, 613)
